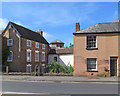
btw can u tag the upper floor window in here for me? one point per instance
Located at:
(9, 42)
(91, 42)
(36, 45)
(28, 55)
(29, 43)
(10, 57)
(43, 56)
(91, 64)
(43, 46)
(36, 55)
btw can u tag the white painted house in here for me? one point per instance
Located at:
(61, 55)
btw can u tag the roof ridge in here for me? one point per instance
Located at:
(23, 27)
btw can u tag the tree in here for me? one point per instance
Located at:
(5, 54)
(71, 45)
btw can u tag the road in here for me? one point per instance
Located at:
(59, 88)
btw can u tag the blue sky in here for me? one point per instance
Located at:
(58, 20)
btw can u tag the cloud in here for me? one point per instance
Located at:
(3, 23)
(46, 35)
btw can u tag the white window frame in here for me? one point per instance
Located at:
(8, 42)
(10, 60)
(28, 50)
(43, 46)
(29, 65)
(92, 42)
(36, 45)
(36, 51)
(28, 43)
(43, 58)
(91, 69)
(43, 68)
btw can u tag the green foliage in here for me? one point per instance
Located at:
(57, 68)
(5, 54)
(69, 68)
(71, 45)
(54, 67)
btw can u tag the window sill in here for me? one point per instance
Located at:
(9, 61)
(91, 48)
(92, 71)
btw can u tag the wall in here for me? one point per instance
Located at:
(62, 59)
(107, 45)
(66, 59)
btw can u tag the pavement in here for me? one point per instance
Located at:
(59, 79)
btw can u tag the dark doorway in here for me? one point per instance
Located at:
(113, 66)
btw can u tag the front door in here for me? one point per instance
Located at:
(113, 66)
(37, 69)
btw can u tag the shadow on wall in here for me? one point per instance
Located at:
(61, 62)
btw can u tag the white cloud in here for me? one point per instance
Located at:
(46, 35)
(3, 23)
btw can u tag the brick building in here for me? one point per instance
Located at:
(28, 49)
(97, 50)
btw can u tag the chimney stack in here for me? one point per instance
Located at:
(77, 27)
(40, 32)
(119, 20)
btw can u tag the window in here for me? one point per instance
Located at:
(29, 43)
(10, 57)
(91, 42)
(55, 59)
(43, 46)
(43, 56)
(9, 42)
(28, 55)
(92, 64)
(36, 45)
(29, 68)
(43, 68)
(36, 55)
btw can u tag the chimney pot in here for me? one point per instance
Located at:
(77, 27)
(40, 32)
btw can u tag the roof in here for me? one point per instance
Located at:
(61, 51)
(57, 42)
(101, 28)
(29, 34)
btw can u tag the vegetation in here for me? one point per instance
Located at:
(70, 46)
(57, 68)
(5, 54)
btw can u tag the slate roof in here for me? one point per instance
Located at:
(29, 34)
(57, 42)
(101, 28)
(61, 51)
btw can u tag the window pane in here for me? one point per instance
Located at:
(91, 64)
(91, 41)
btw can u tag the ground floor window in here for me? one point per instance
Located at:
(91, 64)
(55, 59)
(43, 68)
(29, 68)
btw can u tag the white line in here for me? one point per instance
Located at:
(23, 93)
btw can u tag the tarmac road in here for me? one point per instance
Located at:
(59, 88)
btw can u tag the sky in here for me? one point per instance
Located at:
(57, 20)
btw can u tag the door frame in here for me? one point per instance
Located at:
(117, 63)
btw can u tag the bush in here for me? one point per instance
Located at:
(57, 68)
(54, 67)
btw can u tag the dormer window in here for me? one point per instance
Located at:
(29, 43)
(9, 42)
(91, 42)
